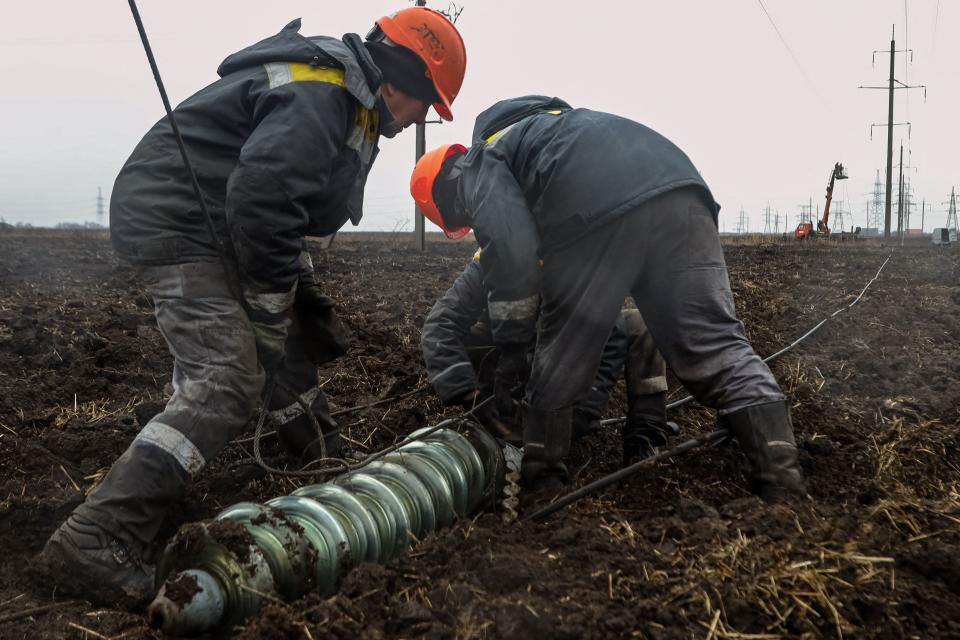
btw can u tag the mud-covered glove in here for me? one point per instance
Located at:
(270, 331)
(325, 337)
(486, 414)
(513, 369)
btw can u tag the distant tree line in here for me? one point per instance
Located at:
(60, 225)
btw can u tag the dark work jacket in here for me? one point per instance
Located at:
(281, 144)
(461, 316)
(540, 175)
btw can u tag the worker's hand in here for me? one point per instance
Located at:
(486, 414)
(510, 379)
(271, 337)
(325, 337)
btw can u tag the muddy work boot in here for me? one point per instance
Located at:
(765, 434)
(85, 560)
(546, 443)
(299, 435)
(646, 428)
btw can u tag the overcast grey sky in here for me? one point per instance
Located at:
(764, 119)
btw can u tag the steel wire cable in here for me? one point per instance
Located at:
(339, 465)
(779, 353)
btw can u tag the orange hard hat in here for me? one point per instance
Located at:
(430, 35)
(421, 186)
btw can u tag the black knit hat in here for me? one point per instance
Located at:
(403, 69)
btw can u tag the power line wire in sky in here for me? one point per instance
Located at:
(796, 60)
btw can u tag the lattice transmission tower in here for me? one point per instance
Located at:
(743, 223)
(952, 211)
(839, 216)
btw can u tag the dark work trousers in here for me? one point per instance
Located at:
(666, 254)
(217, 384)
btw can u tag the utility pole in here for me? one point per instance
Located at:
(419, 230)
(890, 88)
(100, 206)
(766, 219)
(923, 214)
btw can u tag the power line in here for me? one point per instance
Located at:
(796, 60)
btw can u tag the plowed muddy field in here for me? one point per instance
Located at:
(681, 550)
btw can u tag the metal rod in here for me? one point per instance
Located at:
(617, 476)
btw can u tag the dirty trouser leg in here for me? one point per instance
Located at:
(217, 384)
(683, 292)
(587, 412)
(298, 383)
(667, 254)
(646, 372)
(581, 295)
(646, 426)
(580, 298)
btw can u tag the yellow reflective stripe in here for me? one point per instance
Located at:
(554, 112)
(368, 121)
(476, 256)
(302, 72)
(281, 73)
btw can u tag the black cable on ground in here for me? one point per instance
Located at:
(345, 411)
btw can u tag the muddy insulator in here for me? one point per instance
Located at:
(216, 574)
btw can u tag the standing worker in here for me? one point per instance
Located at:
(282, 144)
(576, 209)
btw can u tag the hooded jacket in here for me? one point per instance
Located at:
(281, 145)
(539, 175)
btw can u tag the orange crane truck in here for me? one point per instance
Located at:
(805, 229)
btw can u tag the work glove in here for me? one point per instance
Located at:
(510, 378)
(486, 414)
(325, 337)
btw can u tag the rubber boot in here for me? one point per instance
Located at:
(546, 443)
(646, 427)
(765, 433)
